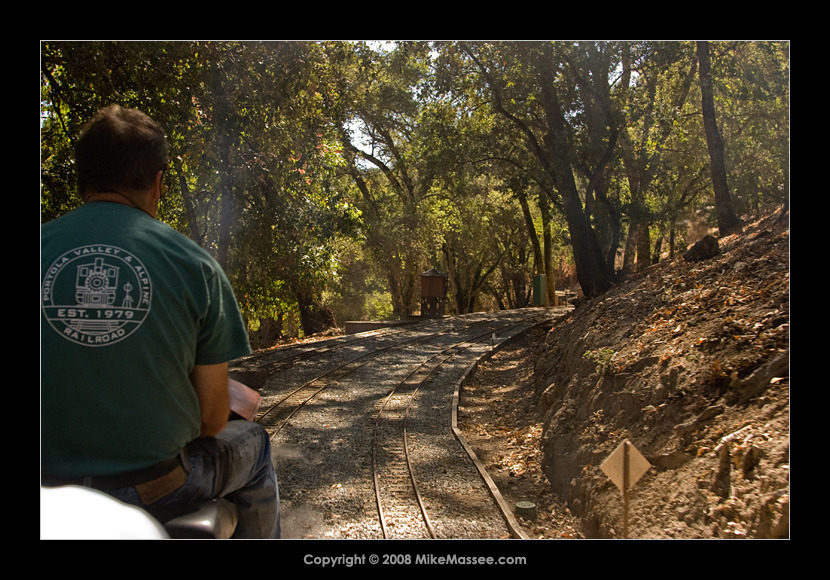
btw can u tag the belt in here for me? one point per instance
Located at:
(152, 483)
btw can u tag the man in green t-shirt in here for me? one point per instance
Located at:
(138, 326)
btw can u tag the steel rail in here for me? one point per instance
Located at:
(277, 414)
(413, 383)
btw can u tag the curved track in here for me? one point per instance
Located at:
(396, 483)
(364, 435)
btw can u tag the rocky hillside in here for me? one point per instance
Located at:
(689, 361)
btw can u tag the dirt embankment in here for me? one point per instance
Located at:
(689, 361)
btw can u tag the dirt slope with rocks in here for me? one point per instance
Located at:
(689, 361)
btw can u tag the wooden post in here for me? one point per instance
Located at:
(624, 467)
(626, 484)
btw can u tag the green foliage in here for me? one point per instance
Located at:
(252, 159)
(339, 171)
(601, 357)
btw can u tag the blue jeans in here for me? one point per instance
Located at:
(236, 465)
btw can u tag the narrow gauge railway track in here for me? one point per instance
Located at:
(276, 359)
(272, 361)
(399, 499)
(325, 457)
(277, 414)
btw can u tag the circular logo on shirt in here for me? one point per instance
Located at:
(96, 295)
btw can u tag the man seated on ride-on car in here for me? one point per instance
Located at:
(138, 326)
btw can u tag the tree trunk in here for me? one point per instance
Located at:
(225, 221)
(644, 245)
(547, 239)
(555, 159)
(588, 257)
(314, 318)
(728, 221)
(542, 259)
(401, 306)
(636, 164)
(187, 201)
(538, 261)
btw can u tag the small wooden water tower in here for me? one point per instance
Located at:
(433, 293)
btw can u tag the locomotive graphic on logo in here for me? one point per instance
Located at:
(95, 285)
(96, 295)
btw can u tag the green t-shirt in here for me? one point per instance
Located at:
(128, 307)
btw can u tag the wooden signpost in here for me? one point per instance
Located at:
(625, 466)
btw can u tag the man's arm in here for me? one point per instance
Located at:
(211, 384)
